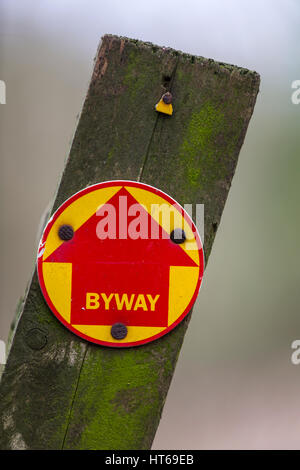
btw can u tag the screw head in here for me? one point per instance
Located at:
(36, 339)
(119, 331)
(178, 236)
(66, 232)
(167, 98)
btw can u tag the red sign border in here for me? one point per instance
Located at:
(105, 184)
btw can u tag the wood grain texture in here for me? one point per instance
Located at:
(58, 391)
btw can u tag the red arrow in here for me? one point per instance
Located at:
(86, 247)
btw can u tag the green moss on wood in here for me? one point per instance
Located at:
(198, 148)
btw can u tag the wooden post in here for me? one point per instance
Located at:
(58, 391)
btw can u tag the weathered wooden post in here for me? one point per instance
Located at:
(59, 391)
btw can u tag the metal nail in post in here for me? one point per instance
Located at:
(119, 331)
(66, 232)
(167, 98)
(178, 236)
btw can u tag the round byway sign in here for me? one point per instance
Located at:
(120, 263)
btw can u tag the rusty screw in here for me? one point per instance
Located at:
(178, 236)
(167, 98)
(36, 339)
(66, 232)
(118, 331)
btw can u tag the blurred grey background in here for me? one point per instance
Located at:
(235, 386)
